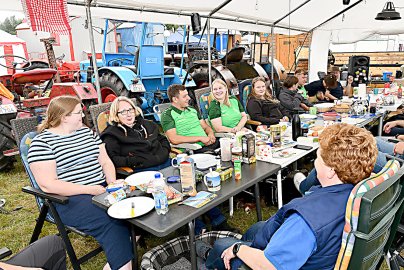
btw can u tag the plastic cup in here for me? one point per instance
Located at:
(225, 149)
(313, 110)
(375, 91)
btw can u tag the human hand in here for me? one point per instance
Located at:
(205, 140)
(118, 181)
(399, 148)
(400, 137)
(96, 190)
(227, 255)
(350, 79)
(388, 126)
(212, 138)
(285, 119)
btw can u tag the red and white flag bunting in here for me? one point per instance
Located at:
(47, 15)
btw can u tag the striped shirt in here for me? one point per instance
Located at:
(76, 155)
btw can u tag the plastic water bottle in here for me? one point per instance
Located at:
(160, 196)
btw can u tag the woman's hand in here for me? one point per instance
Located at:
(227, 255)
(96, 190)
(388, 126)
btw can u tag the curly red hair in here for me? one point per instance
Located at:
(351, 151)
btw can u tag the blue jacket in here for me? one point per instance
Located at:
(324, 211)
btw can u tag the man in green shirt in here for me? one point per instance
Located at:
(183, 124)
(301, 74)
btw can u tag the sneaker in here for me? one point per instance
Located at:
(297, 179)
(202, 249)
(224, 226)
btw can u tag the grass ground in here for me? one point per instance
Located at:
(17, 226)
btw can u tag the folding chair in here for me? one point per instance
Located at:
(373, 209)
(46, 204)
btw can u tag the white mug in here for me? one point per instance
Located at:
(212, 181)
(179, 158)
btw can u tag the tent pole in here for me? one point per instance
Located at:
(209, 52)
(93, 53)
(272, 60)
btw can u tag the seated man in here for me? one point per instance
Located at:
(301, 75)
(321, 90)
(183, 124)
(46, 253)
(307, 232)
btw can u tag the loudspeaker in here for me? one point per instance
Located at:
(345, 2)
(196, 23)
(358, 67)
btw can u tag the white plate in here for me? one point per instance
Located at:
(324, 105)
(123, 209)
(307, 116)
(141, 178)
(204, 161)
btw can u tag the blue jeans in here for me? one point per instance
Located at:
(385, 148)
(216, 218)
(214, 260)
(166, 164)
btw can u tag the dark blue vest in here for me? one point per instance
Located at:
(324, 211)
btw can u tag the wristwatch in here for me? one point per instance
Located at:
(236, 248)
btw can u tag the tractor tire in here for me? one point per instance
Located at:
(7, 142)
(110, 83)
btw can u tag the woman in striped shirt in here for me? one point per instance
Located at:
(68, 159)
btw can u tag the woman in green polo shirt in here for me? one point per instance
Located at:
(226, 114)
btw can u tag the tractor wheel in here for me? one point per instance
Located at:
(110, 84)
(7, 142)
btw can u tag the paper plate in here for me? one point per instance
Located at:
(307, 116)
(123, 209)
(324, 105)
(204, 161)
(141, 178)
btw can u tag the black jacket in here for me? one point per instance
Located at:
(290, 101)
(133, 148)
(264, 111)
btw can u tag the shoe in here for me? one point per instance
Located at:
(224, 226)
(202, 249)
(297, 179)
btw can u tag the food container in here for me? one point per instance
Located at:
(324, 107)
(342, 108)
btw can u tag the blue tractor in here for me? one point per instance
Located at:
(139, 73)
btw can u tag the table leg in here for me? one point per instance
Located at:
(192, 246)
(231, 208)
(279, 188)
(134, 261)
(380, 127)
(258, 201)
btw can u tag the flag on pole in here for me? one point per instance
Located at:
(47, 15)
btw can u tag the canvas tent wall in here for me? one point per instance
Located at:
(10, 44)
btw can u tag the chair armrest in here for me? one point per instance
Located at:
(124, 170)
(52, 197)
(189, 146)
(5, 252)
(224, 135)
(253, 122)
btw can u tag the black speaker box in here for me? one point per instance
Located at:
(358, 67)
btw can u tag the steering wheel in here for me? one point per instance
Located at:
(24, 61)
(120, 61)
(128, 51)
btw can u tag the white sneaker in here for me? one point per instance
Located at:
(297, 179)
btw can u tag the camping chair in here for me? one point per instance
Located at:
(45, 202)
(373, 209)
(4, 253)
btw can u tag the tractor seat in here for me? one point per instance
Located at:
(34, 76)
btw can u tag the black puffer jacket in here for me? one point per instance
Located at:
(141, 146)
(264, 111)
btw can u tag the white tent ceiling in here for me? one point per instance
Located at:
(252, 15)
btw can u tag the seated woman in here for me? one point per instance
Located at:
(68, 159)
(262, 106)
(132, 141)
(290, 99)
(226, 113)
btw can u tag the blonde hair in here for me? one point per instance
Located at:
(113, 111)
(58, 107)
(351, 151)
(226, 97)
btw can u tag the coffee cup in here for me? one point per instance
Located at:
(212, 181)
(175, 162)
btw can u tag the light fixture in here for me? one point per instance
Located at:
(345, 2)
(388, 13)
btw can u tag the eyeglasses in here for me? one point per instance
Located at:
(126, 112)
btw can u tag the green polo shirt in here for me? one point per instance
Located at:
(185, 122)
(231, 115)
(301, 90)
